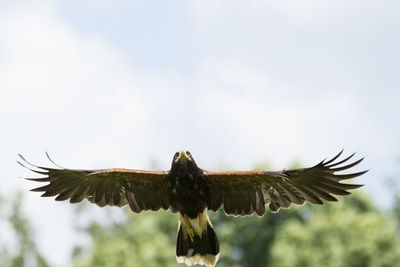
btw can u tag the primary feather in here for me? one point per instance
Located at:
(245, 192)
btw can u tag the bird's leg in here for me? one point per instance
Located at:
(188, 226)
(189, 229)
(200, 220)
(191, 233)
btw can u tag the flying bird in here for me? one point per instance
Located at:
(190, 191)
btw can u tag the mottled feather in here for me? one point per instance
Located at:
(142, 190)
(236, 191)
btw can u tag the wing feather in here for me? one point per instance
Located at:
(142, 190)
(280, 189)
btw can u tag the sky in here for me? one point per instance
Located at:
(126, 84)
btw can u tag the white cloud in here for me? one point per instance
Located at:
(65, 91)
(66, 81)
(265, 111)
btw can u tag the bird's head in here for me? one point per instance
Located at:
(183, 159)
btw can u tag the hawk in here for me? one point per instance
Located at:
(190, 191)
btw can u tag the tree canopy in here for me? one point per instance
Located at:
(350, 233)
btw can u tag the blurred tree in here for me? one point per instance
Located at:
(247, 241)
(147, 239)
(393, 185)
(23, 252)
(349, 233)
(150, 239)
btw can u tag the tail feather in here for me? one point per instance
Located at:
(202, 249)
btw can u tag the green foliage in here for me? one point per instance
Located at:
(351, 232)
(246, 241)
(24, 252)
(147, 239)
(342, 234)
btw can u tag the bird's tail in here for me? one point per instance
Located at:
(197, 242)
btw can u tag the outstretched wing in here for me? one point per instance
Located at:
(141, 190)
(245, 192)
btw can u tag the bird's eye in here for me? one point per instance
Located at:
(188, 154)
(176, 155)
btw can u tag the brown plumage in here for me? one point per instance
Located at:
(189, 190)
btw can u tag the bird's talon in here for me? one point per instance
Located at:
(191, 234)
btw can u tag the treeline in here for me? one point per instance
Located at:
(350, 233)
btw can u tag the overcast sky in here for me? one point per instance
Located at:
(237, 83)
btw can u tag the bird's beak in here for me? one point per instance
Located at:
(182, 158)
